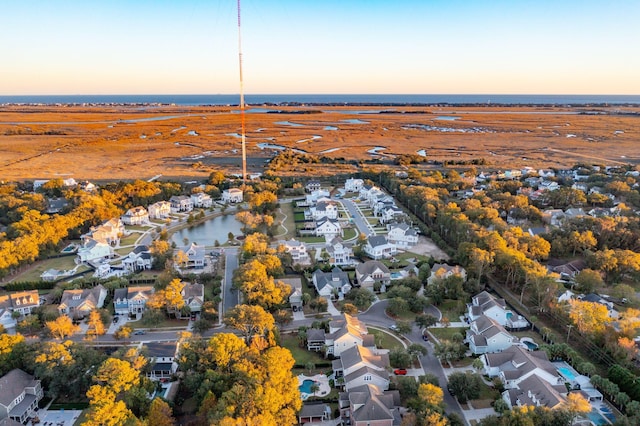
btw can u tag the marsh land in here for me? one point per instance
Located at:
(178, 142)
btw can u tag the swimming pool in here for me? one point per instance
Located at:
(597, 418)
(567, 373)
(396, 275)
(531, 345)
(305, 387)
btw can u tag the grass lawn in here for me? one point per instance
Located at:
(61, 264)
(403, 257)
(298, 216)
(446, 333)
(404, 316)
(385, 340)
(167, 323)
(289, 222)
(312, 239)
(373, 220)
(452, 309)
(528, 333)
(131, 239)
(138, 228)
(349, 233)
(301, 355)
(487, 396)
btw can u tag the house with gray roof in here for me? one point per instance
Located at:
(373, 275)
(378, 247)
(79, 303)
(193, 296)
(327, 209)
(132, 300)
(369, 405)
(316, 338)
(340, 253)
(328, 228)
(496, 308)
(139, 259)
(402, 235)
(162, 358)
(359, 366)
(515, 364)
(295, 296)
(195, 255)
(345, 333)
(136, 216)
(327, 282)
(443, 271)
(314, 413)
(485, 336)
(536, 392)
(20, 393)
(21, 302)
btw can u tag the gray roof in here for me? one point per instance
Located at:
(140, 249)
(336, 278)
(161, 349)
(120, 293)
(370, 403)
(88, 295)
(370, 266)
(516, 362)
(315, 335)
(545, 394)
(13, 384)
(377, 240)
(313, 410)
(358, 354)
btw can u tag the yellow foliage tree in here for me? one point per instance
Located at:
(226, 349)
(117, 375)
(250, 320)
(62, 327)
(629, 322)
(589, 317)
(104, 409)
(577, 404)
(160, 414)
(8, 341)
(96, 326)
(54, 354)
(173, 295)
(430, 394)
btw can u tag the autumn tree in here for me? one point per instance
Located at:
(589, 317)
(95, 324)
(160, 414)
(250, 321)
(576, 405)
(62, 327)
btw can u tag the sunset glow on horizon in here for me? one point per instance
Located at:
(409, 46)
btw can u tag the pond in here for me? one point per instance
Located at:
(207, 232)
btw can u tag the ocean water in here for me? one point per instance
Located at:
(326, 99)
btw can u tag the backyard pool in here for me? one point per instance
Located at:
(305, 387)
(532, 346)
(597, 418)
(567, 373)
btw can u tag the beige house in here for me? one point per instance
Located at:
(79, 303)
(160, 210)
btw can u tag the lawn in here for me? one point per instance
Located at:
(446, 333)
(385, 340)
(298, 216)
(301, 355)
(349, 233)
(61, 264)
(312, 239)
(289, 223)
(130, 240)
(487, 396)
(452, 309)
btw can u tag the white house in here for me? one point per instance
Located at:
(494, 308)
(368, 405)
(295, 296)
(139, 259)
(19, 397)
(485, 336)
(402, 235)
(160, 210)
(327, 282)
(312, 185)
(181, 204)
(317, 195)
(339, 252)
(132, 300)
(109, 232)
(136, 216)
(391, 213)
(377, 247)
(232, 195)
(201, 200)
(353, 185)
(345, 333)
(79, 303)
(328, 209)
(93, 250)
(193, 296)
(195, 256)
(297, 250)
(359, 366)
(373, 275)
(162, 358)
(328, 228)
(22, 302)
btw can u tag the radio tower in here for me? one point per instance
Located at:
(242, 118)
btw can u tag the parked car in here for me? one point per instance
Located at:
(116, 319)
(400, 371)
(139, 332)
(393, 327)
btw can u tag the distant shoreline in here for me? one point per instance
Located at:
(398, 100)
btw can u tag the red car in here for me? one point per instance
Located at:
(400, 371)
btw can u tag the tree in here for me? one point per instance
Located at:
(396, 306)
(588, 280)
(117, 375)
(160, 414)
(576, 405)
(250, 321)
(362, 298)
(403, 327)
(95, 324)
(465, 386)
(173, 296)
(426, 320)
(62, 327)
(416, 350)
(431, 395)
(589, 317)
(104, 409)
(349, 309)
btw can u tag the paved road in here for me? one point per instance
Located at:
(376, 315)
(230, 296)
(360, 222)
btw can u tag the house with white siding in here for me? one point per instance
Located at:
(328, 228)
(378, 247)
(232, 195)
(181, 204)
(486, 336)
(160, 210)
(20, 394)
(402, 235)
(353, 185)
(495, 308)
(136, 216)
(359, 366)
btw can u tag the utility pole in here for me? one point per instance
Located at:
(242, 117)
(569, 326)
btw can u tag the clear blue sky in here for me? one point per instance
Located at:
(320, 46)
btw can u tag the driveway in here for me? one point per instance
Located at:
(230, 296)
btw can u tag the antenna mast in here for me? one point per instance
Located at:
(242, 118)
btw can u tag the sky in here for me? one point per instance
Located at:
(320, 46)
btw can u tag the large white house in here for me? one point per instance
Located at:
(328, 228)
(94, 250)
(297, 250)
(373, 275)
(339, 252)
(486, 304)
(317, 195)
(359, 366)
(160, 210)
(202, 200)
(79, 303)
(232, 195)
(326, 283)
(377, 247)
(485, 336)
(345, 333)
(327, 209)
(353, 185)
(132, 300)
(136, 216)
(20, 394)
(181, 204)
(402, 235)
(139, 259)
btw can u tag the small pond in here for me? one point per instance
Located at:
(206, 233)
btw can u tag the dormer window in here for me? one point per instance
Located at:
(18, 302)
(76, 297)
